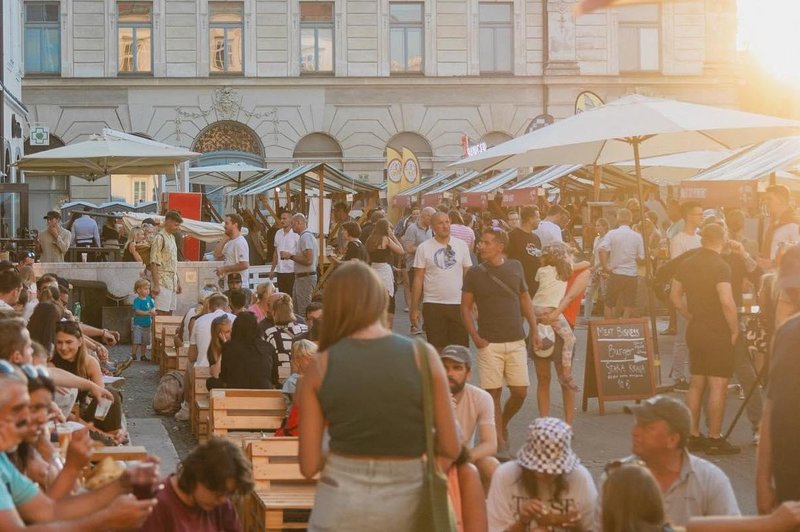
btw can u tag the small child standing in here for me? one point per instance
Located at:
(552, 277)
(144, 308)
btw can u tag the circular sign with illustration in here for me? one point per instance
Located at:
(395, 170)
(411, 170)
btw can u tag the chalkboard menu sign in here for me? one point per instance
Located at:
(619, 361)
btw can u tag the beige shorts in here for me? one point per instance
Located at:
(166, 300)
(506, 361)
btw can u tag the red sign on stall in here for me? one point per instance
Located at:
(473, 200)
(521, 197)
(715, 194)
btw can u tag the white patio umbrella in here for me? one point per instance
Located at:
(231, 175)
(633, 125)
(671, 169)
(105, 154)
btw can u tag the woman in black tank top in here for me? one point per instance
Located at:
(366, 385)
(384, 248)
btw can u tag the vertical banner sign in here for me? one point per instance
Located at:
(411, 173)
(394, 174)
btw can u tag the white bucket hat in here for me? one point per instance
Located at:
(547, 341)
(548, 447)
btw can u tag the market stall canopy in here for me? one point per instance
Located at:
(335, 181)
(671, 169)
(478, 195)
(427, 183)
(111, 152)
(205, 231)
(605, 135)
(463, 179)
(231, 175)
(757, 162)
(546, 176)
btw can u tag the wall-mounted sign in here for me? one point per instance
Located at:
(539, 122)
(471, 149)
(40, 136)
(586, 101)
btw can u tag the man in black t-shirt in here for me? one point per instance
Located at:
(525, 247)
(498, 288)
(705, 279)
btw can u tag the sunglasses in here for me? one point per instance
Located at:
(34, 372)
(68, 326)
(616, 464)
(449, 253)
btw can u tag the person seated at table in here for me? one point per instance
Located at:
(36, 457)
(110, 233)
(24, 506)
(70, 355)
(198, 496)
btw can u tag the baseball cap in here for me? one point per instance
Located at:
(548, 447)
(52, 214)
(459, 353)
(662, 407)
(547, 341)
(234, 277)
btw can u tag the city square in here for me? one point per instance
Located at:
(462, 265)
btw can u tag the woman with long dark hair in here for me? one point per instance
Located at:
(247, 359)
(42, 325)
(366, 386)
(384, 248)
(220, 335)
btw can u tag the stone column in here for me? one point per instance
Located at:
(561, 50)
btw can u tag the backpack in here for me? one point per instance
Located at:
(169, 393)
(291, 423)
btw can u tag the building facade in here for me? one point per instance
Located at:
(278, 82)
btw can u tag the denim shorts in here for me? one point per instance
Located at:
(140, 335)
(356, 494)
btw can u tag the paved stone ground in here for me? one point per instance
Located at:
(598, 439)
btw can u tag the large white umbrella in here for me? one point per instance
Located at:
(633, 125)
(108, 153)
(671, 169)
(229, 175)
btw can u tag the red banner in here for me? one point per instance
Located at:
(715, 194)
(432, 199)
(521, 197)
(473, 199)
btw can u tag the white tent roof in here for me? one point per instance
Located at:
(205, 231)
(756, 162)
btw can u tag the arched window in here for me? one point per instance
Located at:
(317, 147)
(229, 136)
(493, 138)
(414, 142)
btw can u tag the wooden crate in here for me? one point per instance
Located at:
(122, 452)
(164, 329)
(198, 402)
(172, 358)
(233, 410)
(283, 497)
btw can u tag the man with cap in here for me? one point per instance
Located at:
(691, 486)
(474, 410)
(546, 487)
(164, 265)
(235, 283)
(54, 241)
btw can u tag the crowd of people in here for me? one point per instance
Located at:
(511, 282)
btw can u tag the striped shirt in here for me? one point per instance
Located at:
(464, 233)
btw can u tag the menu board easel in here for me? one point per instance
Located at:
(619, 362)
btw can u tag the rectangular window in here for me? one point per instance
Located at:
(135, 36)
(225, 36)
(42, 38)
(139, 191)
(496, 37)
(316, 37)
(639, 38)
(406, 37)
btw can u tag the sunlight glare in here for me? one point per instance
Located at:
(768, 30)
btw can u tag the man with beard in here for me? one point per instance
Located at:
(474, 410)
(233, 249)
(525, 246)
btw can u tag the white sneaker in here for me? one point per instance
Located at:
(183, 413)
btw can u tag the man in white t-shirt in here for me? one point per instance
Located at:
(439, 267)
(285, 241)
(685, 240)
(199, 340)
(233, 249)
(549, 229)
(621, 250)
(474, 410)
(782, 229)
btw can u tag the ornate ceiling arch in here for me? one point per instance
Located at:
(228, 135)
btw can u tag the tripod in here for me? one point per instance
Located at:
(761, 376)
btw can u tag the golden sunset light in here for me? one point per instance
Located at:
(767, 29)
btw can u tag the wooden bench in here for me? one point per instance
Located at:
(172, 358)
(164, 330)
(124, 453)
(283, 497)
(238, 414)
(198, 403)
